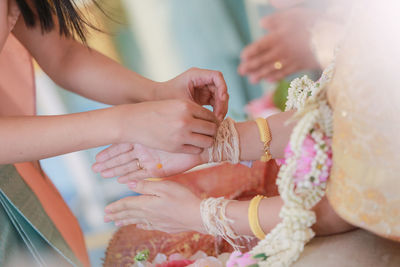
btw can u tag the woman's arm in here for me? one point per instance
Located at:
(251, 147)
(93, 75)
(172, 125)
(82, 70)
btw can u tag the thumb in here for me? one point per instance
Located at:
(146, 187)
(156, 188)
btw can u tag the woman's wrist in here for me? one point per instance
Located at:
(120, 117)
(161, 91)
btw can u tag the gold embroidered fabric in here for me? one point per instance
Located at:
(364, 187)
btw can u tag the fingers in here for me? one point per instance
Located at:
(221, 96)
(257, 47)
(202, 77)
(277, 75)
(262, 60)
(133, 166)
(213, 81)
(189, 149)
(113, 151)
(147, 187)
(204, 127)
(137, 175)
(266, 70)
(116, 161)
(199, 112)
(200, 140)
(129, 203)
(155, 188)
(131, 215)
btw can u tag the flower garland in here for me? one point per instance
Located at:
(303, 175)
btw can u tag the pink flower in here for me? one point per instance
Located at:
(304, 163)
(237, 259)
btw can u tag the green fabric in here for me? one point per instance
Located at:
(24, 220)
(9, 238)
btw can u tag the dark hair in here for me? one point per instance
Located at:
(71, 21)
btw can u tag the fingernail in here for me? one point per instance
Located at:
(119, 223)
(132, 184)
(107, 219)
(107, 210)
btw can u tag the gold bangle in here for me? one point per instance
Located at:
(265, 137)
(253, 217)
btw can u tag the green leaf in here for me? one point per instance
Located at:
(281, 93)
(142, 255)
(261, 256)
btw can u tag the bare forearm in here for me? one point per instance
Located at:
(82, 70)
(251, 147)
(95, 76)
(328, 222)
(35, 137)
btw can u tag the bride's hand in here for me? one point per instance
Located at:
(135, 161)
(165, 206)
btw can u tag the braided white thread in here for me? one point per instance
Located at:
(226, 143)
(216, 223)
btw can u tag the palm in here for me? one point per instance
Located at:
(159, 163)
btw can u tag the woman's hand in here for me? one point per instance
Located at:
(284, 50)
(205, 87)
(164, 206)
(170, 125)
(135, 161)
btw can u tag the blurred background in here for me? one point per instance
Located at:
(158, 39)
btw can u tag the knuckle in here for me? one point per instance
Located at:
(219, 74)
(182, 123)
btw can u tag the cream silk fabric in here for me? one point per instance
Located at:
(364, 187)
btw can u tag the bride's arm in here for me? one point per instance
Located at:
(170, 207)
(123, 159)
(328, 222)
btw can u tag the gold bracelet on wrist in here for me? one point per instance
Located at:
(254, 221)
(265, 137)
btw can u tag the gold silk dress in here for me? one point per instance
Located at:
(364, 187)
